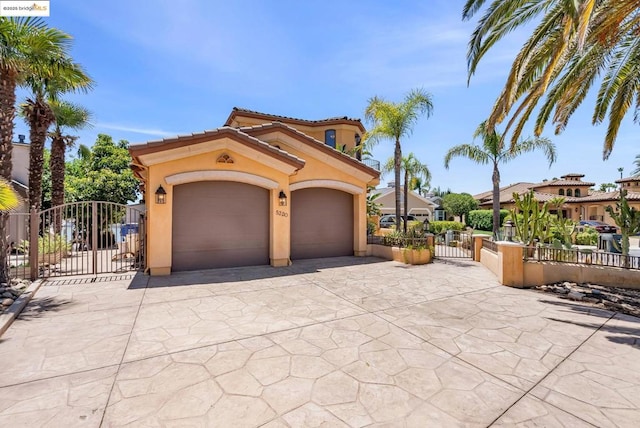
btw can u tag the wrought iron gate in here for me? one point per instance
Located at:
(454, 244)
(78, 238)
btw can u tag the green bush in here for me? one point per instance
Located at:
(443, 226)
(483, 219)
(589, 236)
(48, 244)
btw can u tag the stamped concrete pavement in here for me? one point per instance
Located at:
(335, 342)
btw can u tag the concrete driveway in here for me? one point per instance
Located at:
(333, 342)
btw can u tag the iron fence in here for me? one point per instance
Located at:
(490, 245)
(581, 256)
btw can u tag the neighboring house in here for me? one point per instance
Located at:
(419, 206)
(581, 203)
(263, 189)
(19, 180)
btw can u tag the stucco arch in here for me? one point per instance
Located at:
(328, 184)
(238, 176)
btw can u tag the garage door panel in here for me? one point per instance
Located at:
(219, 224)
(321, 223)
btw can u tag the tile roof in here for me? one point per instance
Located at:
(505, 192)
(278, 118)
(563, 183)
(153, 146)
(610, 196)
(627, 179)
(267, 127)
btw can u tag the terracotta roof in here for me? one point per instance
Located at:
(277, 118)
(505, 192)
(155, 146)
(337, 154)
(610, 196)
(627, 179)
(563, 183)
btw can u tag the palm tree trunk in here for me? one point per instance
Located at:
(56, 163)
(397, 159)
(7, 114)
(40, 118)
(406, 200)
(496, 200)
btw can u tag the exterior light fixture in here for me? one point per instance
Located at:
(161, 195)
(282, 199)
(509, 230)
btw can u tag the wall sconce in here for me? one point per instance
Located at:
(161, 195)
(576, 209)
(508, 230)
(282, 199)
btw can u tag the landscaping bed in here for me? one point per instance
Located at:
(622, 300)
(9, 292)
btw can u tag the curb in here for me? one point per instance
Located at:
(12, 312)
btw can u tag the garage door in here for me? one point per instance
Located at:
(219, 224)
(321, 223)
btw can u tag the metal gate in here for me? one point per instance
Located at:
(79, 238)
(454, 244)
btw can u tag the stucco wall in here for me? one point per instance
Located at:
(490, 260)
(538, 273)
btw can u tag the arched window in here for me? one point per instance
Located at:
(330, 138)
(576, 193)
(568, 192)
(561, 192)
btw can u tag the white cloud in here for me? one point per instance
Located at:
(136, 130)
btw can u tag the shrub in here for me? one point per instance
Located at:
(483, 219)
(589, 236)
(48, 244)
(443, 226)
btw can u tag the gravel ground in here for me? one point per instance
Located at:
(616, 299)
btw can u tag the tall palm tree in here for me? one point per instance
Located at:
(52, 77)
(394, 121)
(412, 169)
(71, 116)
(24, 42)
(636, 172)
(574, 45)
(493, 151)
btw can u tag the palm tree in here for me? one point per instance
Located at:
(67, 115)
(51, 77)
(24, 43)
(493, 151)
(394, 121)
(9, 199)
(574, 45)
(636, 172)
(419, 184)
(412, 169)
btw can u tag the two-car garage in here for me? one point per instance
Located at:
(226, 224)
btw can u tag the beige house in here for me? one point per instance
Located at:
(581, 202)
(19, 180)
(419, 206)
(262, 189)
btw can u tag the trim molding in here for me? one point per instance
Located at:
(243, 177)
(331, 184)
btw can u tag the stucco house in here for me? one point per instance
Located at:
(260, 190)
(581, 202)
(417, 205)
(19, 181)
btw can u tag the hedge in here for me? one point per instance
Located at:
(483, 219)
(442, 226)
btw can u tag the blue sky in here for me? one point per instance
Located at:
(173, 67)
